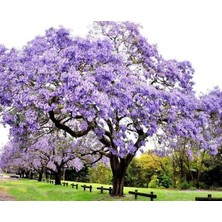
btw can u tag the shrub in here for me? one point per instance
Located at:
(203, 186)
(184, 186)
(218, 189)
(154, 183)
(164, 181)
(100, 174)
(193, 188)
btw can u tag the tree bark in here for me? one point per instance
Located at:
(58, 176)
(64, 174)
(118, 185)
(119, 167)
(31, 175)
(27, 174)
(200, 170)
(40, 176)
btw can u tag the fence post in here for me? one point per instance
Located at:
(101, 189)
(77, 186)
(136, 194)
(90, 188)
(151, 198)
(84, 187)
(209, 196)
(110, 190)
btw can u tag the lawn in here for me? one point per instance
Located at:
(31, 190)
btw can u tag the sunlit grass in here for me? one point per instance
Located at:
(31, 190)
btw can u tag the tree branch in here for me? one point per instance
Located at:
(67, 129)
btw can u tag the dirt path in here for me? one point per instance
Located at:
(4, 196)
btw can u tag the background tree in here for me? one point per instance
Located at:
(58, 152)
(142, 169)
(100, 174)
(78, 176)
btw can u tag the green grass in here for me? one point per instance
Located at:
(31, 190)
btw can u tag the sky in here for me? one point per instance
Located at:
(182, 29)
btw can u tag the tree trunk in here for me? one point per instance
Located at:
(58, 176)
(119, 167)
(64, 174)
(31, 175)
(118, 185)
(200, 170)
(27, 174)
(40, 176)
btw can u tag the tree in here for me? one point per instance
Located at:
(212, 169)
(57, 152)
(49, 153)
(188, 152)
(100, 174)
(117, 86)
(14, 160)
(74, 175)
(142, 168)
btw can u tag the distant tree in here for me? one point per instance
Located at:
(14, 160)
(100, 174)
(51, 153)
(80, 175)
(142, 169)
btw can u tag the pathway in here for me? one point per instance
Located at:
(4, 196)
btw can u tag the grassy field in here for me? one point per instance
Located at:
(31, 190)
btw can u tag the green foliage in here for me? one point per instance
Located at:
(142, 169)
(164, 180)
(134, 176)
(203, 186)
(176, 170)
(100, 174)
(73, 175)
(184, 185)
(213, 168)
(154, 183)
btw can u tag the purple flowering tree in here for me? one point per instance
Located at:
(205, 124)
(113, 84)
(205, 136)
(51, 152)
(54, 152)
(14, 160)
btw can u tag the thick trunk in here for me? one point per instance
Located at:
(31, 175)
(58, 176)
(118, 185)
(119, 167)
(40, 176)
(27, 175)
(46, 175)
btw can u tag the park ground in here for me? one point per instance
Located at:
(4, 196)
(32, 190)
